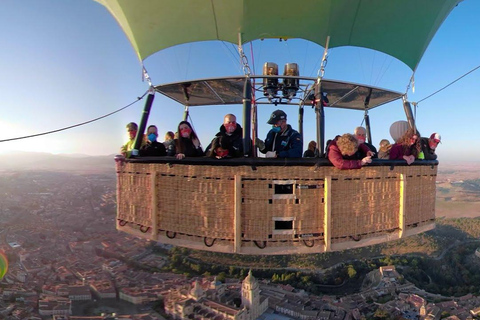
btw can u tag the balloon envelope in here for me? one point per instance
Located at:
(400, 28)
(397, 129)
(3, 265)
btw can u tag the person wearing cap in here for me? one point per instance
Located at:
(429, 145)
(282, 141)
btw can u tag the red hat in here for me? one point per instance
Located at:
(436, 137)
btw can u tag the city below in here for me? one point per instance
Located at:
(66, 260)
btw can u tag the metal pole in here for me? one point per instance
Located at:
(143, 122)
(367, 127)
(186, 114)
(367, 117)
(254, 127)
(320, 118)
(300, 120)
(408, 112)
(247, 115)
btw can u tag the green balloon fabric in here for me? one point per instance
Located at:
(3, 265)
(400, 28)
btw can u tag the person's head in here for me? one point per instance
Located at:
(132, 129)
(410, 138)
(385, 145)
(185, 131)
(152, 133)
(347, 144)
(413, 137)
(219, 147)
(169, 136)
(361, 134)
(230, 123)
(434, 140)
(312, 145)
(278, 120)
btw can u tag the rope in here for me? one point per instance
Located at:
(76, 125)
(233, 54)
(253, 57)
(448, 85)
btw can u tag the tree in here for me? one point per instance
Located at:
(351, 271)
(381, 314)
(221, 277)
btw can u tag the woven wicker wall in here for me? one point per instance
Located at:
(280, 206)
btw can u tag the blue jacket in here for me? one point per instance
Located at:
(288, 144)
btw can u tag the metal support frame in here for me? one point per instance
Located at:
(300, 120)
(367, 118)
(367, 127)
(408, 112)
(319, 110)
(186, 113)
(320, 120)
(254, 128)
(247, 115)
(143, 121)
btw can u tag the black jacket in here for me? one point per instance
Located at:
(153, 149)
(233, 142)
(428, 152)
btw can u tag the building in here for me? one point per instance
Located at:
(54, 306)
(215, 301)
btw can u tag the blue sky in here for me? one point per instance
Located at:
(67, 61)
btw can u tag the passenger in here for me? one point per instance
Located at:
(169, 143)
(312, 150)
(429, 145)
(385, 147)
(282, 141)
(232, 137)
(342, 152)
(361, 134)
(219, 148)
(329, 141)
(152, 148)
(126, 149)
(407, 147)
(187, 144)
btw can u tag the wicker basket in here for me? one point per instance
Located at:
(274, 209)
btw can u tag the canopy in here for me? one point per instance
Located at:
(400, 28)
(226, 91)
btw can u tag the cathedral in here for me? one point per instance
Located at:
(218, 301)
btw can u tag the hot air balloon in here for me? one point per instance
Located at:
(3, 265)
(277, 206)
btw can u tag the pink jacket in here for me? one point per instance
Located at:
(336, 157)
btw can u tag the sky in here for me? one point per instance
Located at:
(65, 62)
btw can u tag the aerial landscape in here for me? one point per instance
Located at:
(66, 258)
